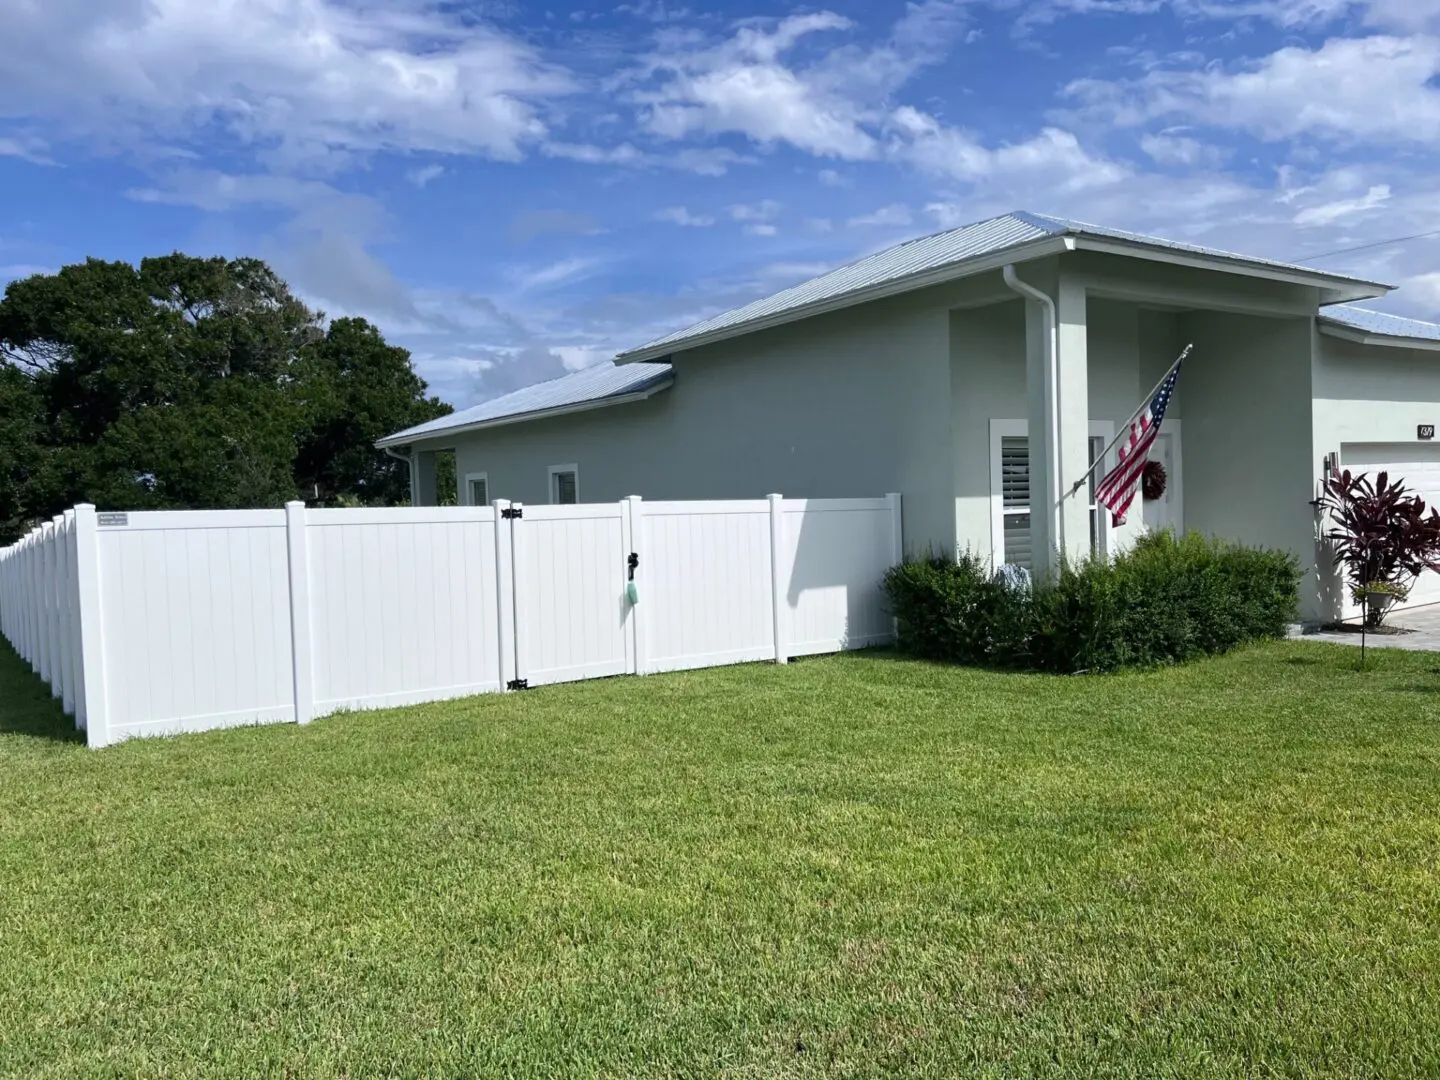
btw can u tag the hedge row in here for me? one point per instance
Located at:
(1164, 601)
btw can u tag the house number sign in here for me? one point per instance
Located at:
(1425, 431)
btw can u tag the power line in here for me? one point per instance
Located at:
(1367, 247)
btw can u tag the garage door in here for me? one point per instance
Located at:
(1418, 464)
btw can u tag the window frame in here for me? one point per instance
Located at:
(1002, 429)
(469, 489)
(553, 486)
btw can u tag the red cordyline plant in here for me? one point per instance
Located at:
(1383, 536)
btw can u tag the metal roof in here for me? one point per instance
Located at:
(1378, 324)
(595, 387)
(945, 255)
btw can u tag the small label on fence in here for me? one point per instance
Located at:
(112, 520)
(1425, 431)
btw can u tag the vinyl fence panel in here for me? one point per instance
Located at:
(834, 553)
(704, 583)
(404, 605)
(195, 611)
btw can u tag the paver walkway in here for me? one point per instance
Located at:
(1425, 621)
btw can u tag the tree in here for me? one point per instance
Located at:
(191, 383)
(356, 388)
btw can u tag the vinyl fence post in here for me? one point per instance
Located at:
(56, 596)
(897, 545)
(505, 592)
(67, 613)
(777, 575)
(91, 695)
(635, 508)
(298, 545)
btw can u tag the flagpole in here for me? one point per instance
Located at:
(1125, 427)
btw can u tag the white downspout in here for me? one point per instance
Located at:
(1052, 378)
(410, 467)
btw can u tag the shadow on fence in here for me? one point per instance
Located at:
(26, 707)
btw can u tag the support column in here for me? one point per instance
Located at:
(423, 490)
(1040, 397)
(1074, 417)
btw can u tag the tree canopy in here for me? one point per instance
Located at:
(190, 383)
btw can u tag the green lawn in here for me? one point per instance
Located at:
(853, 866)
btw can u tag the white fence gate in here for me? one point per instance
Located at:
(163, 622)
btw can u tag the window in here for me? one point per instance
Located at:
(1010, 492)
(477, 487)
(564, 484)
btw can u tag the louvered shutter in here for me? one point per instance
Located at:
(1015, 496)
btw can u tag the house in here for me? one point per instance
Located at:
(977, 372)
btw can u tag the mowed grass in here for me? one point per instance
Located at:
(854, 866)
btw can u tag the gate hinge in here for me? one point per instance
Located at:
(512, 512)
(518, 684)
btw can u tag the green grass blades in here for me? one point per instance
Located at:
(850, 867)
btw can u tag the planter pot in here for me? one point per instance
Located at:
(1378, 603)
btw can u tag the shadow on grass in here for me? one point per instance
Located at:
(26, 707)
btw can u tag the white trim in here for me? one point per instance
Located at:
(1365, 337)
(550, 487)
(1001, 429)
(470, 478)
(407, 438)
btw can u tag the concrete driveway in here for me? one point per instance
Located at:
(1424, 621)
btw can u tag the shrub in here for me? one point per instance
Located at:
(1164, 601)
(1383, 536)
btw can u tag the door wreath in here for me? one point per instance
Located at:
(1153, 480)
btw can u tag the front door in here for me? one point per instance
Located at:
(1167, 512)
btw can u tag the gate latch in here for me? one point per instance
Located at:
(510, 513)
(633, 562)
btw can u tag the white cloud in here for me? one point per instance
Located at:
(422, 176)
(760, 228)
(578, 357)
(1166, 148)
(556, 273)
(831, 178)
(741, 86)
(1331, 212)
(764, 210)
(305, 79)
(893, 216)
(679, 215)
(751, 85)
(1056, 154)
(26, 148)
(1378, 88)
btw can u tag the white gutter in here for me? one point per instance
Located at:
(1052, 391)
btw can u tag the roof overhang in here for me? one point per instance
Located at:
(1332, 288)
(410, 438)
(1027, 252)
(1365, 337)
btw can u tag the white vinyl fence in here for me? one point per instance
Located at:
(160, 622)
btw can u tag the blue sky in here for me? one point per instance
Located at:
(515, 190)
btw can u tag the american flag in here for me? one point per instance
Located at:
(1117, 491)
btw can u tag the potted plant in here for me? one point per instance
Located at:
(1384, 536)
